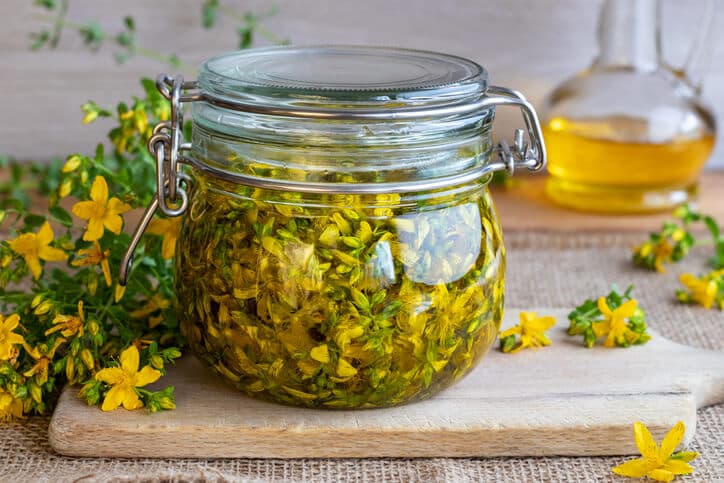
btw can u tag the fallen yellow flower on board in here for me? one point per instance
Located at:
(124, 381)
(100, 211)
(531, 329)
(614, 325)
(34, 247)
(658, 463)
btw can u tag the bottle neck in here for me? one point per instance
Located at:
(629, 35)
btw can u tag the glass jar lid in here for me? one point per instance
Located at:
(343, 82)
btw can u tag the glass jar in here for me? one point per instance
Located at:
(339, 247)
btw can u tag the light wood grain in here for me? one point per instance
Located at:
(561, 400)
(525, 207)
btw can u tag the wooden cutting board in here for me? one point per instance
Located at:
(561, 400)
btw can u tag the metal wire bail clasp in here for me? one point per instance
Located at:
(522, 154)
(165, 144)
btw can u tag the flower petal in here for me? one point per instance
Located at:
(51, 254)
(114, 398)
(11, 322)
(105, 266)
(678, 467)
(84, 209)
(114, 223)
(99, 190)
(117, 206)
(512, 331)
(672, 439)
(130, 360)
(147, 375)
(634, 469)
(94, 231)
(686, 455)
(33, 263)
(130, 400)
(110, 375)
(603, 306)
(25, 243)
(645, 442)
(627, 309)
(660, 474)
(158, 226)
(601, 328)
(45, 234)
(168, 248)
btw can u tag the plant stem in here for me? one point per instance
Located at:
(239, 17)
(142, 51)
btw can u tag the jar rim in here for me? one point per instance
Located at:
(343, 82)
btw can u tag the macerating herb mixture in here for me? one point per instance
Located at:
(350, 301)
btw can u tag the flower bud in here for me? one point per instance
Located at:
(87, 358)
(5, 262)
(167, 402)
(93, 327)
(36, 301)
(92, 284)
(72, 164)
(89, 117)
(65, 188)
(157, 361)
(70, 369)
(36, 393)
(120, 290)
(43, 308)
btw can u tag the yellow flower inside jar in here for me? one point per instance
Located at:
(338, 246)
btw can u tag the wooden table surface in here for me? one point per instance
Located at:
(525, 206)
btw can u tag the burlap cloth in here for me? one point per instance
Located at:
(545, 270)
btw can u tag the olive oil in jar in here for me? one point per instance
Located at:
(592, 173)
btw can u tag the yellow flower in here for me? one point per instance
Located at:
(43, 357)
(8, 338)
(703, 290)
(614, 324)
(68, 325)
(168, 228)
(655, 254)
(658, 463)
(95, 256)
(124, 381)
(157, 302)
(35, 247)
(10, 407)
(531, 329)
(100, 211)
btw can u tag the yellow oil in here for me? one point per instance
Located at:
(592, 174)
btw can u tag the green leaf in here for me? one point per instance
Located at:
(33, 221)
(713, 227)
(61, 216)
(129, 23)
(246, 37)
(209, 13)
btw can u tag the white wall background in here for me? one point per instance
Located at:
(529, 45)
